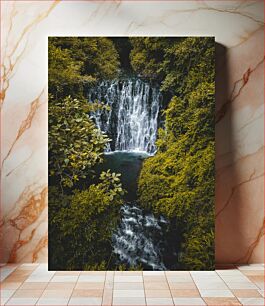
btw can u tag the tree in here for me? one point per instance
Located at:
(75, 144)
(65, 73)
(78, 62)
(81, 220)
(178, 182)
(81, 225)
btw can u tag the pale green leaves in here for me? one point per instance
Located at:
(75, 144)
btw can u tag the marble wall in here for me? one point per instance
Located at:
(238, 27)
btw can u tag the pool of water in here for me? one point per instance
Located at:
(128, 164)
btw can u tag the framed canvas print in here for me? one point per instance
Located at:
(131, 153)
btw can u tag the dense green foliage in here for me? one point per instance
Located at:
(75, 144)
(81, 221)
(82, 224)
(76, 62)
(178, 181)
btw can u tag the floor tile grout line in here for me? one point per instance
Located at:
(15, 290)
(169, 289)
(219, 276)
(203, 298)
(102, 295)
(70, 297)
(9, 297)
(112, 290)
(13, 271)
(74, 288)
(227, 287)
(235, 289)
(145, 298)
(233, 292)
(41, 293)
(43, 289)
(195, 285)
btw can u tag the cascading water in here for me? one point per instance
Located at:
(139, 239)
(132, 120)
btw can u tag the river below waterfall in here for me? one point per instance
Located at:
(131, 122)
(138, 239)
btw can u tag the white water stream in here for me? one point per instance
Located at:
(132, 120)
(138, 240)
(132, 124)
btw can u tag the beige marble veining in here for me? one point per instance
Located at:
(238, 27)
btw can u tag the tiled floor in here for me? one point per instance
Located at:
(33, 284)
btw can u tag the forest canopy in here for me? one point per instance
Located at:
(183, 167)
(177, 182)
(76, 145)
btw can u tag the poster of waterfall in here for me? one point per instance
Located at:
(131, 153)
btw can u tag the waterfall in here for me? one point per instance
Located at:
(132, 120)
(139, 238)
